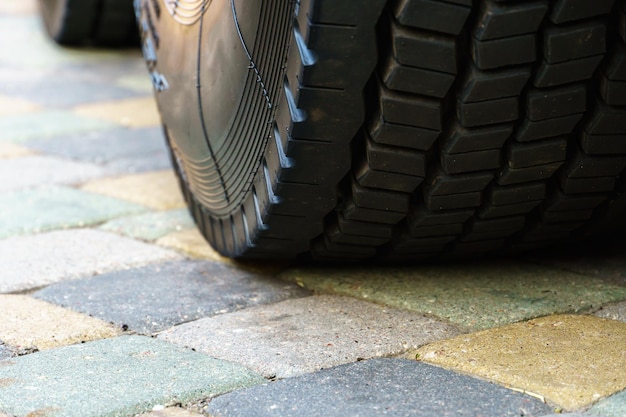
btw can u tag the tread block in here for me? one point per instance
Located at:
(569, 10)
(484, 246)
(297, 198)
(470, 161)
(603, 144)
(503, 196)
(587, 185)
(431, 244)
(584, 166)
(379, 200)
(433, 15)
(368, 177)
(607, 120)
(566, 216)
(492, 212)
(542, 152)
(509, 223)
(357, 228)
(613, 92)
(530, 130)
(439, 230)
(558, 102)
(410, 110)
(413, 80)
(464, 140)
(341, 13)
(335, 234)
(615, 68)
(449, 184)
(386, 133)
(454, 201)
(510, 175)
(393, 159)
(424, 49)
(487, 112)
(550, 232)
(353, 212)
(497, 21)
(423, 217)
(563, 202)
(504, 52)
(488, 85)
(324, 248)
(550, 75)
(573, 42)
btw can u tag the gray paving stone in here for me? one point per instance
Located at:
(391, 387)
(118, 150)
(43, 170)
(5, 352)
(156, 297)
(48, 208)
(34, 261)
(307, 334)
(151, 226)
(113, 377)
(613, 312)
(614, 406)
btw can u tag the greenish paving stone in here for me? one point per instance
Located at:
(46, 124)
(151, 226)
(614, 406)
(43, 209)
(475, 296)
(613, 312)
(121, 376)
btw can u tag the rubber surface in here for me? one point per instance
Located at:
(100, 22)
(404, 129)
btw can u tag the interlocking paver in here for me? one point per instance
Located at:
(151, 226)
(171, 412)
(10, 106)
(571, 360)
(377, 387)
(44, 170)
(49, 123)
(614, 406)
(43, 209)
(475, 296)
(158, 190)
(613, 312)
(120, 150)
(120, 376)
(156, 297)
(29, 323)
(307, 334)
(5, 353)
(33, 261)
(139, 83)
(9, 150)
(133, 112)
(192, 243)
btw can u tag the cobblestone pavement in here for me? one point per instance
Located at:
(111, 304)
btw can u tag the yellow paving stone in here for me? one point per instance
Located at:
(158, 190)
(133, 112)
(29, 323)
(18, 7)
(9, 151)
(193, 244)
(10, 106)
(168, 412)
(572, 361)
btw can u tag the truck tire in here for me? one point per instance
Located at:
(392, 130)
(101, 22)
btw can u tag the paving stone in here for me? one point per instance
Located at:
(9, 150)
(119, 150)
(43, 209)
(10, 106)
(153, 298)
(475, 296)
(613, 312)
(151, 226)
(158, 190)
(170, 412)
(307, 334)
(18, 7)
(27, 323)
(126, 375)
(134, 112)
(614, 406)
(393, 387)
(49, 123)
(5, 353)
(44, 170)
(192, 243)
(34, 261)
(140, 83)
(570, 360)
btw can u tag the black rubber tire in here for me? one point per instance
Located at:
(395, 130)
(99, 22)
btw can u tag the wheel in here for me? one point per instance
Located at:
(400, 129)
(103, 22)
